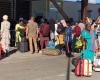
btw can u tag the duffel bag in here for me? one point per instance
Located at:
(51, 52)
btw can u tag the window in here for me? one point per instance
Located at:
(89, 13)
(79, 15)
(99, 11)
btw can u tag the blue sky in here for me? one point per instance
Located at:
(92, 1)
(98, 1)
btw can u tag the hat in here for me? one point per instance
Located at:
(5, 17)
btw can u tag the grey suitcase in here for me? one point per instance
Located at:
(23, 46)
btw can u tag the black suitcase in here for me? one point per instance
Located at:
(23, 47)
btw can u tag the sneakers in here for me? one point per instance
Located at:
(6, 53)
(40, 51)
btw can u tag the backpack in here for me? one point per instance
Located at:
(45, 30)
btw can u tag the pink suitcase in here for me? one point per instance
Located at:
(83, 68)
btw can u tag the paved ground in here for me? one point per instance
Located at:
(26, 66)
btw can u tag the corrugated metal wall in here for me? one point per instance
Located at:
(5, 8)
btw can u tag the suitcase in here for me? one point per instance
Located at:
(51, 52)
(83, 68)
(23, 46)
(96, 62)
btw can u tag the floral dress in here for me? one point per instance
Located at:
(5, 35)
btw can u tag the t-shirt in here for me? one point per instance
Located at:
(68, 34)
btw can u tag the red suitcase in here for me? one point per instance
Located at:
(83, 68)
(79, 69)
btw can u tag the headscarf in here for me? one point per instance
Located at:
(5, 17)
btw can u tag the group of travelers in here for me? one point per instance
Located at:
(62, 33)
(69, 37)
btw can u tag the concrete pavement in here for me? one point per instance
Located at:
(26, 66)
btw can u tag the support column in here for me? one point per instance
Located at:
(84, 9)
(60, 9)
(46, 8)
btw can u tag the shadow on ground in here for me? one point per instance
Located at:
(10, 53)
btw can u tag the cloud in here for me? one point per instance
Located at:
(90, 1)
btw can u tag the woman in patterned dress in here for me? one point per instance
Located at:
(5, 34)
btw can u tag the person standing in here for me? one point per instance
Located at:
(88, 39)
(68, 39)
(18, 26)
(5, 35)
(76, 38)
(44, 34)
(32, 34)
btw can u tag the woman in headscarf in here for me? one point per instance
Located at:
(5, 34)
(88, 38)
